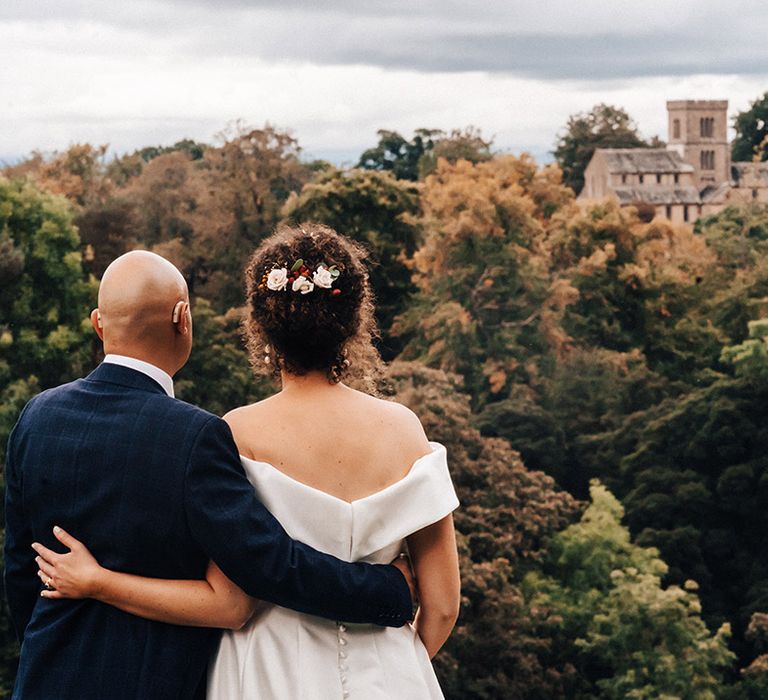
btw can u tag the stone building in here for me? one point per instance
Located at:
(693, 176)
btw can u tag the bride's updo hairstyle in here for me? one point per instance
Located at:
(331, 327)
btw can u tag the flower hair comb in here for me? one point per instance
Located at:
(301, 278)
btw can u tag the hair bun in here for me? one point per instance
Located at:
(310, 305)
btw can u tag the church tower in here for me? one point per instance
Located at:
(698, 131)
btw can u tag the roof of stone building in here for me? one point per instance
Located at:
(644, 160)
(716, 194)
(746, 174)
(657, 194)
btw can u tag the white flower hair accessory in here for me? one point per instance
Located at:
(277, 279)
(300, 278)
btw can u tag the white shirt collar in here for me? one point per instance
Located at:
(160, 376)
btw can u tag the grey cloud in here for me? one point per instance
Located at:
(549, 40)
(594, 57)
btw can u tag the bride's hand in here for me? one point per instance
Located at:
(75, 574)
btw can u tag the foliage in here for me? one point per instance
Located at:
(45, 297)
(479, 274)
(629, 636)
(604, 126)
(460, 144)
(217, 376)
(400, 157)
(751, 125)
(417, 158)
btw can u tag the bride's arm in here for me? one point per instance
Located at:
(213, 602)
(436, 565)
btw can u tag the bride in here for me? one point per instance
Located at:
(345, 472)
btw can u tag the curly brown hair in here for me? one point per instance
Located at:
(326, 330)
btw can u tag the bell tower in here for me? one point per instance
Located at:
(698, 131)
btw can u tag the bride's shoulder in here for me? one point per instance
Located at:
(245, 415)
(401, 423)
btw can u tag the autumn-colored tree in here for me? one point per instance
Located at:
(486, 305)
(77, 173)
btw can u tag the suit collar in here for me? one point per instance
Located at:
(153, 371)
(124, 376)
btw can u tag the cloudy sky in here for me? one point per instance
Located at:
(137, 72)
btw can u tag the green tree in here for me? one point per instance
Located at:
(751, 125)
(629, 636)
(460, 144)
(417, 158)
(604, 126)
(217, 376)
(395, 154)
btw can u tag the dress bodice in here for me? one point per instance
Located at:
(366, 529)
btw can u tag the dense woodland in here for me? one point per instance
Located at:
(600, 379)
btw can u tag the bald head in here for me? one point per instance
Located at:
(143, 308)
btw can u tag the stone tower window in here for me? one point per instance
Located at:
(642, 178)
(675, 128)
(685, 213)
(677, 179)
(623, 179)
(669, 211)
(658, 178)
(707, 126)
(707, 160)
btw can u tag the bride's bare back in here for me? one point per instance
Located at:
(330, 437)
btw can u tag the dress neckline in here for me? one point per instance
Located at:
(436, 448)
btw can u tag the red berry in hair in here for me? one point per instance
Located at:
(335, 292)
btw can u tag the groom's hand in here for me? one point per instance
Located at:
(403, 565)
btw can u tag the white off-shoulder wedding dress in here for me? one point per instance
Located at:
(285, 655)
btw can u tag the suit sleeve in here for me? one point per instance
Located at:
(252, 548)
(21, 583)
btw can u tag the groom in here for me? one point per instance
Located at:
(155, 487)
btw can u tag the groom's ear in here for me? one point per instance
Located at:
(182, 318)
(96, 323)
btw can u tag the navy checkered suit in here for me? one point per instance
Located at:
(154, 487)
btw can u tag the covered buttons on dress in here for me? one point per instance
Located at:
(341, 632)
